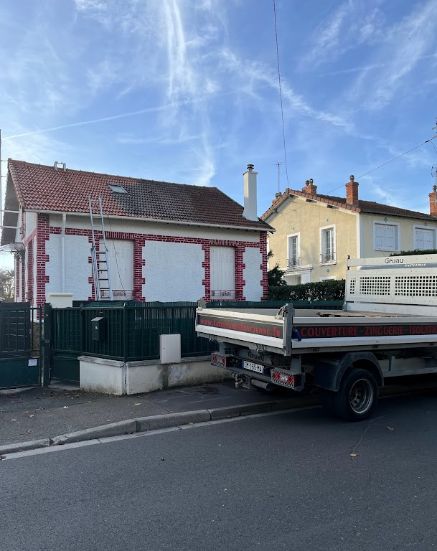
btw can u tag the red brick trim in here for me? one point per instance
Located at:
(42, 235)
(30, 258)
(17, 275)
(263, 249)
(140, 240)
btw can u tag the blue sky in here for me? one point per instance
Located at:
(187, 91)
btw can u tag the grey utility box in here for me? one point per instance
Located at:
(98, 329)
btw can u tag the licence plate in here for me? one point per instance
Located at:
(253, 367)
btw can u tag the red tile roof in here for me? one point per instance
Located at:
(44, 188)
(368, 207)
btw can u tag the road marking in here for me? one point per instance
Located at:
(109, 439)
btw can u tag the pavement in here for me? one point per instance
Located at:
(291, 480)
(41, 417)
(46, 413)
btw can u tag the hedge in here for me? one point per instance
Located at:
(331, 289)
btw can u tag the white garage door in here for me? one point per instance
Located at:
(121, 266)
(222, 273)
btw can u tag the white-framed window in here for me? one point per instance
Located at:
(424, 238)
(327, 245)
(293, 249)
(386, 236)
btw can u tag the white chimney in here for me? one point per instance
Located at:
(250, 202)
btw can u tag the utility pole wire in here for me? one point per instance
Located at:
(280, 93)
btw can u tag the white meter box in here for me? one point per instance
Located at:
(170, 348)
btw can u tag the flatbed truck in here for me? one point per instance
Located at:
(386, 329)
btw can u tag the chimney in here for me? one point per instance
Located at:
(352, 191)
(249, 185)
(433, 201)
(310, 187)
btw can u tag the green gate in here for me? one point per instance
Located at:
(20, 357)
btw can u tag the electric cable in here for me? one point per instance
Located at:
(280, 93)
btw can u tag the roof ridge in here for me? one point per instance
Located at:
(112, 175)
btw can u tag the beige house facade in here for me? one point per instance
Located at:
(314, 233)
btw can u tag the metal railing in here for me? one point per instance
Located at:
(131, 331)
(325, 258)
(223, 294)
(294, 262)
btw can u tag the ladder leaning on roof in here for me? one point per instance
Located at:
(100, 260)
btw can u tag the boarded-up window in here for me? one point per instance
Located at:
(222, 273)
(121, 267)
(386, 237)
(423, 239)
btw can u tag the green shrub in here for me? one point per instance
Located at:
(331, 289)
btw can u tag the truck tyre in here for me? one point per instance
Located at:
(357, 397)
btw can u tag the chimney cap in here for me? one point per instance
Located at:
(352, 178)
(434, 187)
(250, 167)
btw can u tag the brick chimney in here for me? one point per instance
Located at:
(310, 187)
(352, 191)
(433, 201)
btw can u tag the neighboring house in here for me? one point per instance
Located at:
(166, 241)
(315, 233)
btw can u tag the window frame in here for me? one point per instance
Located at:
(333, 243)
(397, 236)
(420, 227)
(297, 236)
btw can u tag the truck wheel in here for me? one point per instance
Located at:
(357, 397)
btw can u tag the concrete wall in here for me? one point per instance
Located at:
(296, 215)
(173, 271)
(119, 378)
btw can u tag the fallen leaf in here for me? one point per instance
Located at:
(390, 428)
(354, 454)
(137, 404)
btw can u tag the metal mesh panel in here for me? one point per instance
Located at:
(375, 285)
(352, 286)
(416, 286)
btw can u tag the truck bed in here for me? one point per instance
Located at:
(307, 331)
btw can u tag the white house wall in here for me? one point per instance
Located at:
(173, 271)
(252, 274)
(165, 262)
(156, 228)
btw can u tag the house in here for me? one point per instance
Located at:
(315, 233)
(165, 241)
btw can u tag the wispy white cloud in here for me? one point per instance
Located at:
(405, 45)
(352, 24)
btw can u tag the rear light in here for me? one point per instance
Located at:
(282, 378)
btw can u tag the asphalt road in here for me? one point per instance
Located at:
(294, 481)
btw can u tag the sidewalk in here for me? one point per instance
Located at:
(47, 412)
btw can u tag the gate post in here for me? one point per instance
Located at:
(47, 342)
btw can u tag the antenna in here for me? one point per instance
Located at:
(279, 176)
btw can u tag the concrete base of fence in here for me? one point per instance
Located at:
(118, 378)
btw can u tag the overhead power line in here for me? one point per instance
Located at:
(280, 93)
(429, 140)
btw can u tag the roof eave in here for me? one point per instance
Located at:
(156, 220)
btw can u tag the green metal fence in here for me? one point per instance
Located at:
(19, 345)
(131, 332)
